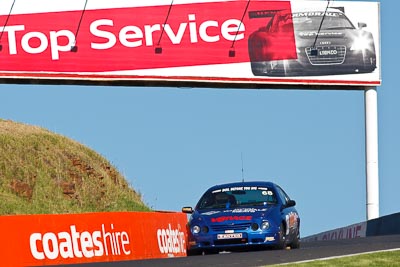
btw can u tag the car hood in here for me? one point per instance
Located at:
(241, 214)
(327, 37)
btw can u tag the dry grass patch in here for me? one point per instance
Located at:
(42, 172)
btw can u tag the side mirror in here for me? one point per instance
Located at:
(187, 210)
(362, 25)
(290, 203)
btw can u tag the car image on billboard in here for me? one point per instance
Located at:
(242, 216)
(327, 43)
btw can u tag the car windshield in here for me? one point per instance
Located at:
(237, 196)
(311, 21)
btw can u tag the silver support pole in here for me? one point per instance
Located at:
(371, 151)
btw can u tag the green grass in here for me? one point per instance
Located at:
(46, 173)
(379, 259)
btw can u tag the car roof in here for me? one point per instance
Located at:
(240, 184)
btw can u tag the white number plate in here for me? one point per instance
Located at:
(229, 236)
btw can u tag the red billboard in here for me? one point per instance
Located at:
(244, 42)
(62, 239)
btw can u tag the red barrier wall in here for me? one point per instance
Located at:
(32, 240)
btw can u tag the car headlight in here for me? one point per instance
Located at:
(361, 43)
(265, 225)
(196, 229)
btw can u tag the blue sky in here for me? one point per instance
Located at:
(172, 144)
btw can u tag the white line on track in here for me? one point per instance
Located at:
(343, 256)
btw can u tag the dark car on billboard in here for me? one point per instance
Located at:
(327, 43)
(241, 216)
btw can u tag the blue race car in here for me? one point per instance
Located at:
(242, 215)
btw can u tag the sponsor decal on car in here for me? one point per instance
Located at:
(247, 210)
(231, 218)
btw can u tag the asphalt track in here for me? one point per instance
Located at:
(308, 251)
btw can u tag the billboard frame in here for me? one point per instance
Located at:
(23, 60)
(101, 81)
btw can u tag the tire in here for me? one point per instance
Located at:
(259, 68)
(370, 58)
(265, 68)
(282, 237)
(296, 241)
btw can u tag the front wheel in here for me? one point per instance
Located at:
(296, 241)
(282, 237)
(269, 68)
(260, 68)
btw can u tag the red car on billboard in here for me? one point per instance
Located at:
(327, 43)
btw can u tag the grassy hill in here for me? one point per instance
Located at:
(42, 172)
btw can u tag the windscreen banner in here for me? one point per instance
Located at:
(224, 42)
(38, 240)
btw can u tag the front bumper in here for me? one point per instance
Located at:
(211, 242)
(351, 62)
